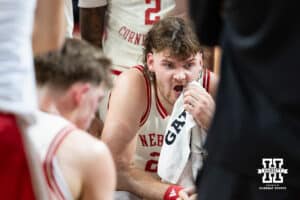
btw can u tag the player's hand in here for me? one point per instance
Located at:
(187, 194)
(200, 104)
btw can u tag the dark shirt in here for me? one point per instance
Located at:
(258, 103)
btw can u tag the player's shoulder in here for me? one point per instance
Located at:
(86, 144)
(86, 155)
(133, 78)
(129, 97)
(135, 73)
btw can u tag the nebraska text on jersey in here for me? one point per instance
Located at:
(151, 139)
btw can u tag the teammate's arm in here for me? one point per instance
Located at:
(49, 26)
(127, 104)
(92, 24)
(99, 173)
(181, 9)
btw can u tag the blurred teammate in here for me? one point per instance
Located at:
(115, 24)
(70, 86)
(141, 101)
(20, 174)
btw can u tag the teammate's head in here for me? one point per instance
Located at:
(172, 56)
(76, 77)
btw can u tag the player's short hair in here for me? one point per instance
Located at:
(171, 33)
(77, 61)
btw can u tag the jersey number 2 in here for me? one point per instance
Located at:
(151, 165)
(150, 11)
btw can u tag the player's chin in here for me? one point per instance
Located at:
(176, 94)
(174, 98)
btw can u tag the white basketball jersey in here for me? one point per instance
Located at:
(46, 135)
(153, 126)
(128, 22)
(150, 135)
(68, 11)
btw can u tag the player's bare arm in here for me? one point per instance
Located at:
(49, 26)
(181, 9)
(92, 24)
(127, 105)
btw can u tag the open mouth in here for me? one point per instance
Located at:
(178, 88)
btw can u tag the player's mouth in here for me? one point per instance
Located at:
(178, 89)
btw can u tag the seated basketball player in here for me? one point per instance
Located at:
(141, 101)
(71, 83)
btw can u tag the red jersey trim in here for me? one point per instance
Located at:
(160, 108)
(115, 72)
(206, 79)
(48, 164)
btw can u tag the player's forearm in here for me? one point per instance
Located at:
(49, 26)
(141, 183)
(92, 24)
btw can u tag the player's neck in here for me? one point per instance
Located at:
(46, 101)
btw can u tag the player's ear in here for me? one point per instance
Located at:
(79, 92)
(150, 61)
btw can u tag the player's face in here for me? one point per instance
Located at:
(172, 75)
(89, 105)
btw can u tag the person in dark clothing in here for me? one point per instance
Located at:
(253, 143)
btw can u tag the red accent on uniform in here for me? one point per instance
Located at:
(115, 72)
(76, 30)
(162, 111)
(204, 79)
(48, 164)
(172, 193)
(208, 80)
(15, 179)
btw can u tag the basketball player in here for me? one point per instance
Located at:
(127, 22)
(119, 28)
(141, 101)
(70, 86)
(19, 174)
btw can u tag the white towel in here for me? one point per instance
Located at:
(182, 150)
